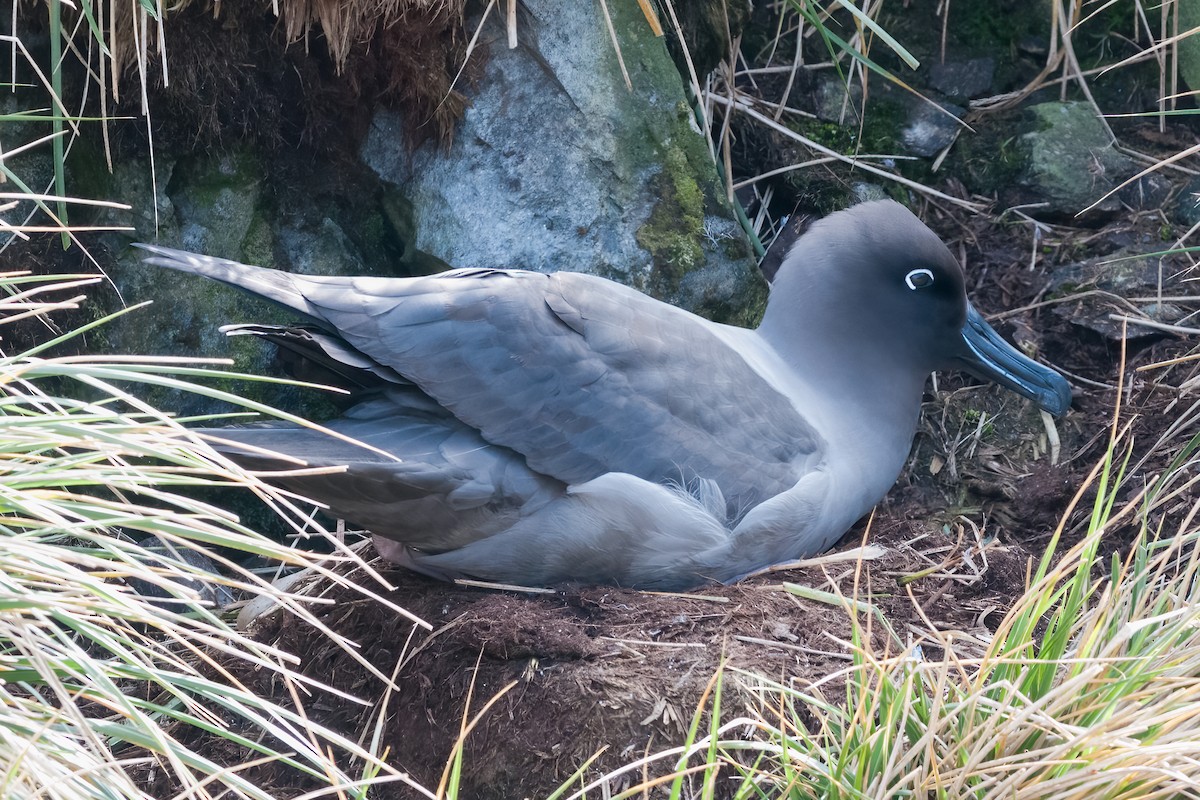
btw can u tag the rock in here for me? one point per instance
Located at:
(1189, 46)
(321, 249)
(33, 167)
(931, 129)
(864, 192)
(963, 80)
(556, 165)
(1187, 204)
(1124, 273)
(217, 200)
(209, 205)
(1072, 164)
(224, 205)
(832, 102)
(1163, 312)
(166, 555)
(1147, 192)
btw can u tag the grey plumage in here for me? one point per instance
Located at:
(564, 427)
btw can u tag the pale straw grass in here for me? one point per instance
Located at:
(98, 682)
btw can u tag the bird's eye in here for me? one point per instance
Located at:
(919, 279)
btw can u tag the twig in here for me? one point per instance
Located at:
(1158, 326)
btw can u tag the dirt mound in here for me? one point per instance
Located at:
(588, 668)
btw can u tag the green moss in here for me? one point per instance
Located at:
(622, 274)
(672, 235)
(257, 245)
(87, 170)
(878, 132)
(826, 190)
(207, 177)
(748, 311)
(369, 232)
(999, 29)
(223, 195)
(998, 25)
(992, 158)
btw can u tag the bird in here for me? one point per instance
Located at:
(537, 429)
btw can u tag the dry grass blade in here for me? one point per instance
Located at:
(100, 681)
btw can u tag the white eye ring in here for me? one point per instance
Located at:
(919, 279)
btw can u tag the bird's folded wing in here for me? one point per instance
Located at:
(580, 375)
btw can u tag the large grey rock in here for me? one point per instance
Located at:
(1073, 163)
(557, 165)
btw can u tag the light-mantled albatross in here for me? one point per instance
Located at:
(542, 428)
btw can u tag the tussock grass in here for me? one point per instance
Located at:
(1089, 687)
(99, 683)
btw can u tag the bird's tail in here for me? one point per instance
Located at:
(279, 287)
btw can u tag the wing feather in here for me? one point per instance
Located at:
(584, 376)
(580, 375)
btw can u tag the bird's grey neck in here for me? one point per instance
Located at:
(867, 413)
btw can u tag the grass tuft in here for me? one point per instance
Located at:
(101, 686)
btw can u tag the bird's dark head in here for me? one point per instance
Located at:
(878, 290)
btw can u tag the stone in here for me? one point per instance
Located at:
(557, 165)
(963, 80)
(218, 199)
(931, 129)
(1124, 273)
(1189, 46)
(1187, 204)
(834, 102)
(1072, 162)
(217, 205)
(212, 593)
(1150, 191)
(865, 192)
(33, 167)
(320, 249)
